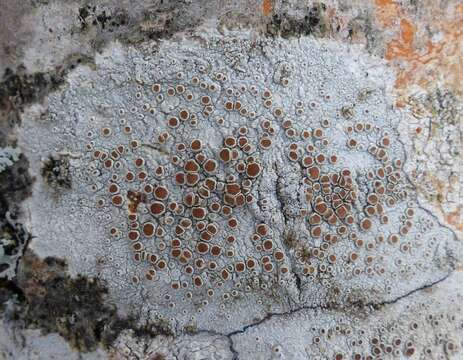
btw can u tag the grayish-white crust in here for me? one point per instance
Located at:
(32, 344)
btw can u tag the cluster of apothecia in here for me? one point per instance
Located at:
(188, 163)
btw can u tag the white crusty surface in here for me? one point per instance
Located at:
(323, 273)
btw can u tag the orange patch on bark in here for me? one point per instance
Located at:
(403, 46)
(438, 61)
(387, 12)
(267, 7)
(454, 219)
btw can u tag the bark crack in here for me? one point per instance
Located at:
(269, 316)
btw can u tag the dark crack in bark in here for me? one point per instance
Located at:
(356, 306)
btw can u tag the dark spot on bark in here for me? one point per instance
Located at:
(20, 88)
(287, 25)
(104, 19)
(9, 290)
(15, 186)
(158, 356)
(298, 282)
(55, 172)
(83, 14)
(76, 308)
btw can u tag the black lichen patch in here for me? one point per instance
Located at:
(9, 290)
(312, 23)
(158, 24)
(84, 13)
(105, 19)
(55, 172)
(21, 88)
(165, 21)
(361, 29)
(14, 239)
(76, 308)
(56, 303)
(133, 26)
(15, 186)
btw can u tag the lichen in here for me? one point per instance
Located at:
(15, 185)
(309, 20)
(76, 308)
(8, 155)
(20, 88)
(56, 173)
(218, 182)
